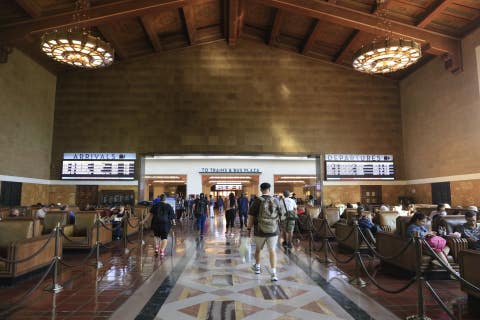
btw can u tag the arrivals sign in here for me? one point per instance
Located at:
(230, 170)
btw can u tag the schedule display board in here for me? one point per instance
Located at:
(98, 166)
(359, 167)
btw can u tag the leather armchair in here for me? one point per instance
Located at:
(343, 228)
(387, 220)
(391, 243)
(332, 215)
(84, 232)
(469, 262)
(51, 220)
(450, 223)
(17, 241)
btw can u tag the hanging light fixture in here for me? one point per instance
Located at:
(76, 46)
(386, 55)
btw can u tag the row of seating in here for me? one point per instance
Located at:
(20, 237)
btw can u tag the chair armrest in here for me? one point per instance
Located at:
(456, 245)
(68, 230)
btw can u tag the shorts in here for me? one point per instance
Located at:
(288, 225)
(270, 241)
(161, 233)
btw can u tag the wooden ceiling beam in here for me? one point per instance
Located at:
(30, 7)
(189, 18)
(277, 25)
(95, 16)
(151, 33)
(109, 36)
(235, 13)
(433, 12)
(312, 37)
(353, 39)
(329, 12)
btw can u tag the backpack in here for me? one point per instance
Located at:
(161, 214)
(200, 207)
(268, 215)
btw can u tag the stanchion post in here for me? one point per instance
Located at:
(55, 286)
(356, 279)
(97, 263)
(125, 232)
(325, 258)
(142, 242)
(420, 281)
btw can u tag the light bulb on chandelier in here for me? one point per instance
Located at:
(78, 47)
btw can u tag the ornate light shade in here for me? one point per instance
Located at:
(386, 56)
(77, 48)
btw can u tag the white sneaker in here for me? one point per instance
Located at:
(256, 269)
(274, 277)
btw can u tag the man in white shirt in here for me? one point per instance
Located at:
(440, 211)
(288, 221)
(41, 213)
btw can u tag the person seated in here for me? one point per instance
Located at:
(384, 207)
(438, 244)
(71, 214)
(116, 219)
(470, 230)
(365, 224)
(349, 205)
(14, 213)
(41, 213)
(411, 209)
(440, 211)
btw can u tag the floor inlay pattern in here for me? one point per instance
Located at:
(216, 284)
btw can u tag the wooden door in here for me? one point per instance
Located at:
(371, 194)
(86, 195)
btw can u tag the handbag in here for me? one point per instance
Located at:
(437, 243)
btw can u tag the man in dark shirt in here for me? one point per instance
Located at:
(243, 210)
(260, 236)
(470, 230)
(200, 210)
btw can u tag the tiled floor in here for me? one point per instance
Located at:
(207, 279)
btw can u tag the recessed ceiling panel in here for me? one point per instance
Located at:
(296, 26)
(208, 14)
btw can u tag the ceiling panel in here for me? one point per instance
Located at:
(208, 14)
(296, 26)
(361, 5)
(259, 15)
(10, 12)
(167, 22)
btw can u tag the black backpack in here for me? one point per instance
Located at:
(161, 213)
(200, 207)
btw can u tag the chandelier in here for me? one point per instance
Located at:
(386, 55)
(76, 46)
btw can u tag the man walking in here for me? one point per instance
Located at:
(200, 210)
(289, 219)
(243, 210)
(264, 217)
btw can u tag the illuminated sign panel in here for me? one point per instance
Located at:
(359, 167)
(98, 166)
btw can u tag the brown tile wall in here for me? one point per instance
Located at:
(33, 193)
(27, 102)
(62, 194)
(465, 193)
(421, 193)
(440, 113)
(341, 194)
(215, 99)
(390, 194)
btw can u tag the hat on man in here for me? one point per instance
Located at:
(472, 208)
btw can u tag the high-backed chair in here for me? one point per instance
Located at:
(313, 212)
(469, 261)
(52, 219)
(450, 223)
(17, 241)
(344, 228)
(391, 243)
(387, 220)
(36, 224)
(84, 232)
(332, 215)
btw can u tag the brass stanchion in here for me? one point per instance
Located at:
(97, 263)
(142, 242)
(55, 287)
(356, 279)
(420, 281)
(325, 258)
(125, 240)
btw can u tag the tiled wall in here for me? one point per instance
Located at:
(440, 114)
(465, 193)
(214, 99)
(27, 101)
(340, 194)
(34, 193)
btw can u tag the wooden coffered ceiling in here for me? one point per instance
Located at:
(327, 30)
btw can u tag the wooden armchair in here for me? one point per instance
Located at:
(387, 220)
(17, 241)
(84, 232)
